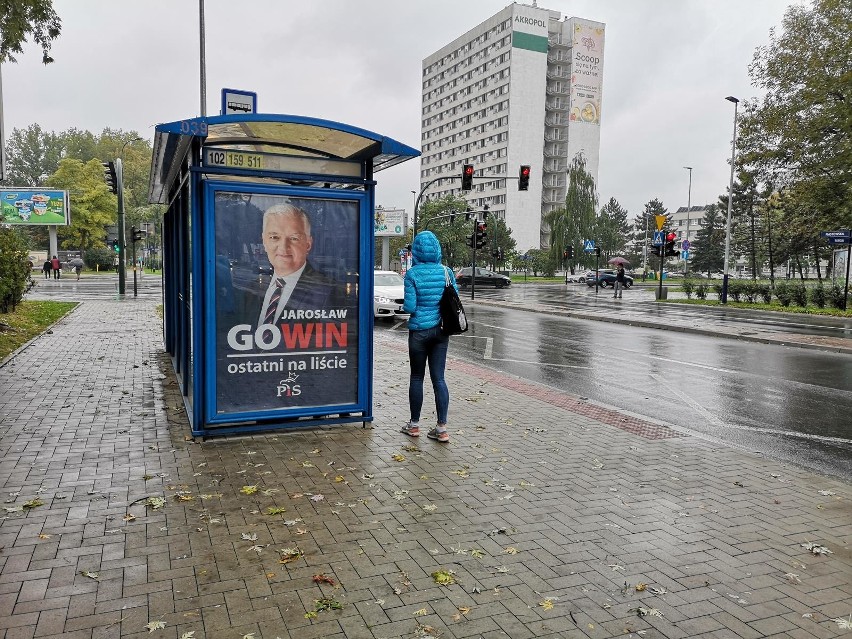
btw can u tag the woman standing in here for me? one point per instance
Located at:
(424, 286)
(47, 267)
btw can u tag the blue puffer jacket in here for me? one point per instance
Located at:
(424, 282)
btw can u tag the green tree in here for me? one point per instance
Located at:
(541, 261)
(32, 154)
(447, 218)
(612, 229)
(799, 135)
(93, 206)
(14, 269)
(22, 18)
(576, 222)
(646, 224)
(708, 248)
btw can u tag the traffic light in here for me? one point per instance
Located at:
(524, 178)
(109, 176)
(670, 242)
(137, 234)
(481, 235)
(656, 250)
(467, 177)
(570, 251)
(114, 243)
(471, 240)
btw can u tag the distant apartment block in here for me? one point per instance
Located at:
(523, 87)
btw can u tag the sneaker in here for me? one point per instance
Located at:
(412, 430)
(442, 436)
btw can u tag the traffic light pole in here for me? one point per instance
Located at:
(122, 274)
(473, 265)
(133, 253)
(662, 264)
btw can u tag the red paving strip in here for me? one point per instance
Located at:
(559, 399)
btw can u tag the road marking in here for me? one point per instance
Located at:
(489, 347)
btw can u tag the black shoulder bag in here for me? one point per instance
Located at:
(453, 319)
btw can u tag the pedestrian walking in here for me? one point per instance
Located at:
(56, 265)
(619, 281)
(424, 286)
(47, 268)
(77, 265)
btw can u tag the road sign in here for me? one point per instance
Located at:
(685, 245)
(843, 239)
(589, 246)
(661, 221)
(841, 233)
(684, 254)
(237, 101)
(659, 238)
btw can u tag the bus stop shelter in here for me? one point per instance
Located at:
(268, 252)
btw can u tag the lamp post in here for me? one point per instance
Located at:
(724, 299)
(688, 207)
(414, 216)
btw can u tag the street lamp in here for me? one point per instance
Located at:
(414, 215)
(119, 172)
(724, 299)
(688, 208)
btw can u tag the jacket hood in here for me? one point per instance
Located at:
(426, 249)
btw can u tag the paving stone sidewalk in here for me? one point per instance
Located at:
(554, 517)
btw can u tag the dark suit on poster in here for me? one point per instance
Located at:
(313, 291)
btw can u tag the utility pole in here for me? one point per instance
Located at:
(688, 208)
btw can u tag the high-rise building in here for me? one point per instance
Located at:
(523, 87)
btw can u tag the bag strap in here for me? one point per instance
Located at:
(447, 277)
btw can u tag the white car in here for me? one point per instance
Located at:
(388, 294)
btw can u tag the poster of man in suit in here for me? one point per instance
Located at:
(286, 301)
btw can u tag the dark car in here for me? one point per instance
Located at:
(483, 278)
(607, 278)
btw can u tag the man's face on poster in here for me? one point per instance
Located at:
(287, 243)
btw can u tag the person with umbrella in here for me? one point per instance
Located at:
(619, 276)
(77, 263)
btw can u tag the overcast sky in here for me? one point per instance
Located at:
(668, 65)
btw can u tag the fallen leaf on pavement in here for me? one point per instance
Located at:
(248, 490)
(816, 549)
(444, 577)
(155, 625)
(90, 575)
(844, 623)
(322, 578)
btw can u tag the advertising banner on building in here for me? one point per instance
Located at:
(586, 73)
(34, 206)
(286, 301)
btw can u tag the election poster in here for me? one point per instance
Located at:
(286, 302)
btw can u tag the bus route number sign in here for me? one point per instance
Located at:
(234, 159)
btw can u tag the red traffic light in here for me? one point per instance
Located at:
(467, 177)
(468, 169)
(671, 237)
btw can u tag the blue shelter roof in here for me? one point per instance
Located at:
(268, 133)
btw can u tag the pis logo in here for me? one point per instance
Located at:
(287, 389)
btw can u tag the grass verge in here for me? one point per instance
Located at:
(775, 306)
(29, 319)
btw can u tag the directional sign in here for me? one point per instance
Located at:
(684, 245)
(589, 246)
(843, 239)
(660, 220)
(841, 233)
(684, 254)
(658, 238)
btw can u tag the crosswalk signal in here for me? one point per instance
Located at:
(481, 235)
(138, 234)
(470, 240)
(657, 250)
(114, 243)
(524, 178)
(467, 177)
(109, 176)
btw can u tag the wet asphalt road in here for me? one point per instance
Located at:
(790, 404)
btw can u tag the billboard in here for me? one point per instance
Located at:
(586, 73)
(390, 222)
(286, 300)
(34, 206)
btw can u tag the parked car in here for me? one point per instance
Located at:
(607, 278)
(579, 277)
(388, 294)
(483, 278)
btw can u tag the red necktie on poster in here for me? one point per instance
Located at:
(272, 308)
